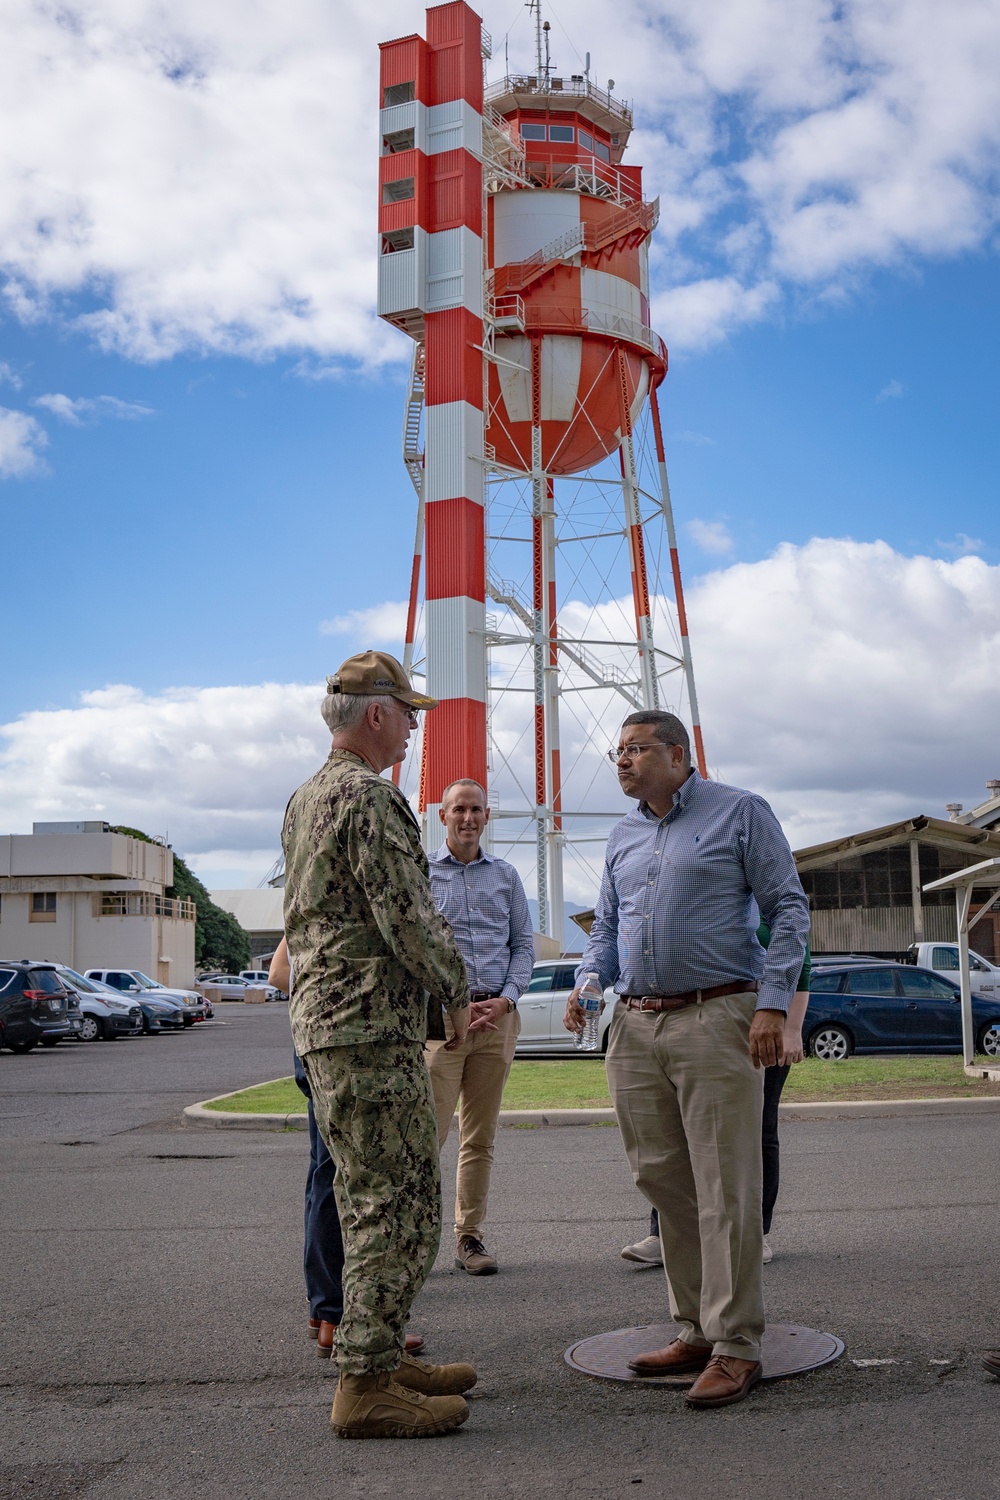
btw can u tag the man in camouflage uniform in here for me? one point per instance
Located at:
(367, 945)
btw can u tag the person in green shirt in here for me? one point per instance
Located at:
(648, 1252)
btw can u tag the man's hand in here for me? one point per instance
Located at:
(460, 1021)
(791, 1044)
(766, 1030)
(487, 1014)
(574, 1017)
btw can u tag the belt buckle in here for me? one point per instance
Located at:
(643, 1005)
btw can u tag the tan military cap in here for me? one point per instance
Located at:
(376, 673)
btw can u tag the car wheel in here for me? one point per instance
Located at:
(831, 1043)
(89, 1029)
(989, 1040)
(21, 1046)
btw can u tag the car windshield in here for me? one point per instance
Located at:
(144, 979)
(45, 979)
(89, 986)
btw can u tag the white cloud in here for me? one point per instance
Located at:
(9, 376)
(21, 440)
(76, 410)
(710, 536)
(848, 683)
(383, 624)
(792, 146)
(893, 391)
(962, 545)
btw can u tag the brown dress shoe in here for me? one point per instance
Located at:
(326, 1337)
(471, 1255)
(314, 1324)
(724, 1380)
(678, 1358)
(991, 1362)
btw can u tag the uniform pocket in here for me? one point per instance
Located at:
(385, 1086)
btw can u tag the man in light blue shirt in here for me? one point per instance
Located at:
(483, 900)
(700, 1014)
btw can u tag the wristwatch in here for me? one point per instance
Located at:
(511, 1005)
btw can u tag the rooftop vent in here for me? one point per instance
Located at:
(953, 809)
(993, 787)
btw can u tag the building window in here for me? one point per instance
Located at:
(43, 907)
(586, 141)
(564, 133)
(398, 239)
(397, 93)
(601, 151)
(399, 140)
(398, 191)
(532, 132)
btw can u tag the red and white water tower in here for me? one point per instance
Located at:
(514, 252)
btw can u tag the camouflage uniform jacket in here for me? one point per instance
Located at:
(364, 935)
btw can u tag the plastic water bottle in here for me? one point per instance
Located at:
(590, 998)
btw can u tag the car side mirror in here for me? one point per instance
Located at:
(133, 989)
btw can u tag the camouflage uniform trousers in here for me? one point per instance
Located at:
(375, 1112)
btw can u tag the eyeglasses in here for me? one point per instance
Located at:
(629, 752)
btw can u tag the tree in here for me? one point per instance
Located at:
(219, 940)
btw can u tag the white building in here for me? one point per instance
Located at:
(74, 893)
(258, 913)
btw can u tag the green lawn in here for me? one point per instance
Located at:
(580, 1083)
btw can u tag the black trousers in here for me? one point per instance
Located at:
(774, 1082)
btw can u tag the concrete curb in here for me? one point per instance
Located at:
(846, 1109)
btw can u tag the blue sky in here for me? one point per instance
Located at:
(199, 434)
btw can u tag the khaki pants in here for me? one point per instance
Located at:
(473, 1077)
(688, 1101)
(373, 1107)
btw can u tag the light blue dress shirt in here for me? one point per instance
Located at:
(485, 904)
(676, 910)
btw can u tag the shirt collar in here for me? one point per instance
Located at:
(444, 854)
(682, 797)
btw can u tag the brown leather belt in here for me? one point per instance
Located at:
(690, 997)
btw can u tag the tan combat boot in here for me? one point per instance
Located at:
(434, 1380)
(374, 1406)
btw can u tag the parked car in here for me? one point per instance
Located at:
(159, 1015)
(104, 1015)
(541, 1009)
(885, 1007)
(134, 982)
(232, 987)
(942, 958)
(35, 1006)
(259, 977)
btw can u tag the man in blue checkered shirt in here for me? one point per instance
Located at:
(700, 1014)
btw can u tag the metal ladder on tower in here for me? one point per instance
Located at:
(413, 454)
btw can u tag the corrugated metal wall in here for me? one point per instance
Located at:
(886, 929)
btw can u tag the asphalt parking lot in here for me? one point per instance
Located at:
(152, 1311)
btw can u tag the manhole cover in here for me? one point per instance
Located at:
(787, 1349)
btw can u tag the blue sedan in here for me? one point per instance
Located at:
(889, 1007)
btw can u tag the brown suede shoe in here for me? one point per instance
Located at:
(678, 1358)
(314, 1327)
(374, 1406)
(471, 1256)
(724, 1380)
(326, 1338)
(434, 1380)
(991, 1362)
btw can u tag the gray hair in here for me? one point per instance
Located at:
(668, 728)
(345, 710)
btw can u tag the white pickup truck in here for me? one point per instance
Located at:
(942, 958)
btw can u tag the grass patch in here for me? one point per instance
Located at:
(580, 1083)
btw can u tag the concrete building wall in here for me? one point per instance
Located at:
(161, 946)
(102, 856)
